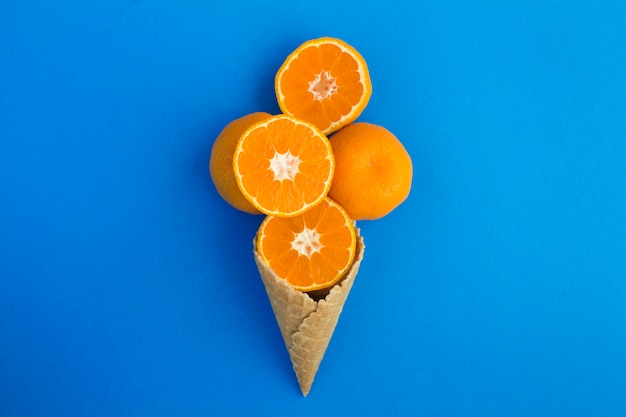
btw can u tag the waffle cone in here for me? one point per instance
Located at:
(307, 325)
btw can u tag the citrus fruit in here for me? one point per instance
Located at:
(311, 251)
(324, 81)
(283, 165)
(373, 171)
(221, 161)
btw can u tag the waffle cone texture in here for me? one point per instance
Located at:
(307, 325)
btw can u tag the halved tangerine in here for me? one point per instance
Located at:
(312, 251)
(283, 166)
(324, 81)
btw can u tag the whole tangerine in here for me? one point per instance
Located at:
(221, 161)
(373, 171)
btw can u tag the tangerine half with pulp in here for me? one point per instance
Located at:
(283, 166)
(312, 251)
(324, 81)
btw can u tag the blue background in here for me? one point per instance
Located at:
(128, 288)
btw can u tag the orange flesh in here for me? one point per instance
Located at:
(311, 251)
(324, 84)
(284, 166)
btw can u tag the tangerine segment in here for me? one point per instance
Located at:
(311, 251)
(324, 81)
(283, 166)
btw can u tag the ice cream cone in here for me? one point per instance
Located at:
(307, 323)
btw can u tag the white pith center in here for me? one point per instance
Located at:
(306, 242)
(284, 166)
(323, 86)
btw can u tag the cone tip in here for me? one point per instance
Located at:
(306, 388)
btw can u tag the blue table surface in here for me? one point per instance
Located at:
(128, 287)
